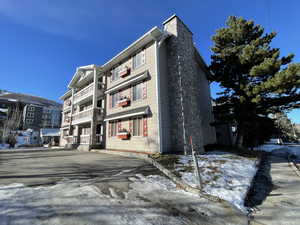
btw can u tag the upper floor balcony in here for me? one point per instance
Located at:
(67, 105)
(84, 93)
(66, 122)
(87, 93)
(87, 115)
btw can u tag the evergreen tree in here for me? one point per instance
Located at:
(255, 79)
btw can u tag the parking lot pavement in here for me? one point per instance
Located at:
(33, 168)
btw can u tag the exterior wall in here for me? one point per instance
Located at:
(209, 133)
(37, 113)
(164, 99)
(149, 143)
(184, 89)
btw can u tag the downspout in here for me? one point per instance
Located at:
(158, 44)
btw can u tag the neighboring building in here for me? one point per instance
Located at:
(156, 97)
(36, 112)
(50, 135)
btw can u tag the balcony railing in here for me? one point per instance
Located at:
(85, 139)
(84, 93)
(83, 116)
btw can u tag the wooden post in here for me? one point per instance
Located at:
(197, 173)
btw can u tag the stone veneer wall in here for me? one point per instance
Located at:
(185, 96)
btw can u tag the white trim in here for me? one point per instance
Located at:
(151, 34)
(159, 136)
(122, 85)
(126, 116)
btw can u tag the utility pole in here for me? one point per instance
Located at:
(197, 172)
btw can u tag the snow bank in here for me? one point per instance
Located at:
(224, 175)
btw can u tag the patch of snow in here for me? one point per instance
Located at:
(224, 175)
(77, 203)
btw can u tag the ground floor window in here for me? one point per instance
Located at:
(113, 128)
(137, 126)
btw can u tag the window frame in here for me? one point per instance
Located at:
(115, 95)
(139, 120)
(142, 60)
(113, 128)
(140, 85)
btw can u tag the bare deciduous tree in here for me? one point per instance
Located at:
(13, 120)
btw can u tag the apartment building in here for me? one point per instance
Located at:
(83, 109)
(151, 97)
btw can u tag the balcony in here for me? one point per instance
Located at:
(85, 139)
(66, 122)
(84, 93)
(87, 116)
(67, 105)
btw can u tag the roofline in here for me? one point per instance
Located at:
(202, 62)
(150, 32)
(64, 96)
(82, 68)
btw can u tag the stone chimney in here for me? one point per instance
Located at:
(184, 87)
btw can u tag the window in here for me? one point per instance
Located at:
(137, 126)
(115, 74)
(29, 120)
(30, 114)
(31, 108)
(113, 128)
(138, 60)
(114, 99)
(137, 92)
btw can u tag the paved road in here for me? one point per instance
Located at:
(282, 206)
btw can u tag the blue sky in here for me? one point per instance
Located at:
(43, 41)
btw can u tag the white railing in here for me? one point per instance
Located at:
(83, 116)
(85, 139)
(84, 93)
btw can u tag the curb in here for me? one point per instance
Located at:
(292, 164)
(125, 154)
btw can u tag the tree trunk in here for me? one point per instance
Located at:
(240, 136)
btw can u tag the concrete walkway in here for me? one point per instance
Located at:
(282, 205)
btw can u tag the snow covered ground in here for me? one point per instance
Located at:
(76, 203)
(224, 175)
(152, 200)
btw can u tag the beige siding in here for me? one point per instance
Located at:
(149, 143)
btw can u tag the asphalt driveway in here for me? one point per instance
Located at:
(35, 168)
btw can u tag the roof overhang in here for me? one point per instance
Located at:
(145, 110)
(79, 71)
(66, 95)
(128, 82)
(151, 35)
